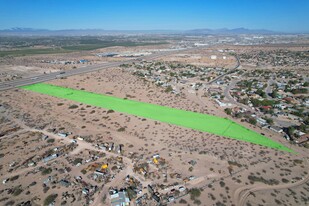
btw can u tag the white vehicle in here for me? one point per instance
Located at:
(171, 198)
(34, 78)
(181, 189)
(74, 141)
(191, 178)
(5, 181)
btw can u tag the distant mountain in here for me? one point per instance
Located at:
(225, 31)
(77, 32)
(45, 32)
(18, 29)
(93, 32)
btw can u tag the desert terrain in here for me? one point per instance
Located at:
(92, 152)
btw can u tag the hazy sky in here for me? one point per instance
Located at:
(277, 15)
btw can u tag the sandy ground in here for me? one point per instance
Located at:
(216, 157)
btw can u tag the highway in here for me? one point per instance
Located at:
(91, 68)
(55, 75)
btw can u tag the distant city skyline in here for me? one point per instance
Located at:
(276, 15)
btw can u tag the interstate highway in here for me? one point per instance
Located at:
(91, 68)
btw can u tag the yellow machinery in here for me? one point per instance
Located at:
(104, 166)
(155, 160)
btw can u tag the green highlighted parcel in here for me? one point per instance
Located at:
(196, 121)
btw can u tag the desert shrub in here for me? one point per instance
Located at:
(10, 203)
(110, 111)
(219, 204)
(45, 189)
(32, 183)
(278, 202)
(104, 199)
(73, 106)
(4, 199)
(297, 161)
(261, 179)
(46, 171)
(77, 160)
(14, 178)
(182, 201)
(212, 196)
(228, 111)
(252, 121)
(121, 129)
(194, 193)
(50, 199)
(168, 89)
(234, 163)
(50, 140)
(17, 191)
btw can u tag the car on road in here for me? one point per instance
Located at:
(34, 78)
(74, 141)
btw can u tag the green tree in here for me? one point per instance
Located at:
(228, 111)
(261, 93)
(169, 88)
(274, 94)
(291, 131)
(194, 193)
(269, 120)
(46, 171)
(252, 121)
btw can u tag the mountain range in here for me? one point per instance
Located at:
(232, 31)
(92, 32)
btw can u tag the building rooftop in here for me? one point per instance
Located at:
(120, 199)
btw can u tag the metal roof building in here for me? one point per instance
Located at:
(120, 199)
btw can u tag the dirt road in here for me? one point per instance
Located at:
(240, 199)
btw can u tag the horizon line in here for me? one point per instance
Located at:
(176, 30)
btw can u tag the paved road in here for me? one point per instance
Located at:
(229, 97)
(268, 89)
(81, 70)
(229, 72)
(279, 122)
